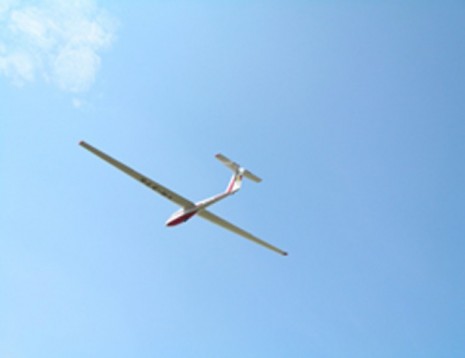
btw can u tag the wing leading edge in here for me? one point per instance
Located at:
(227, 225)
(160, 189)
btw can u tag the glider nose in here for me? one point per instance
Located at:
(180, 217)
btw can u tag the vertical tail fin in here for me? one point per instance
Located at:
(235, 183)
(239, 172)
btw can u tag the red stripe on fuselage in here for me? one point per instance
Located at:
(180, 219)
(233, 181)
(231, 184)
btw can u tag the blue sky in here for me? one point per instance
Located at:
(353, 115)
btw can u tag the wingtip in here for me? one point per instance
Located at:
(285, 254)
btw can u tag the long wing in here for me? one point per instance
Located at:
(227, 225)
(160, 189)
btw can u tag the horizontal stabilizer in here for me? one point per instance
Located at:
(237, 168)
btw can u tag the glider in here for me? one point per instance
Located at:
(189, 208)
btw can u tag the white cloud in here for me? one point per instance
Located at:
(78, 103)
(59, 41)
(5, 5)
(17, 66)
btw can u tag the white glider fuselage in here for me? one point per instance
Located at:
(184, 214)
(188, 208)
